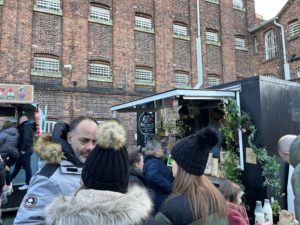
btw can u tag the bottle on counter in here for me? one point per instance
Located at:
(259, 213)
(268, 211)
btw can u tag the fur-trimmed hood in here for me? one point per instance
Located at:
(48, 150)
(91, 207)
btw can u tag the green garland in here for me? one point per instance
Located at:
(270, 167)
(235, 120)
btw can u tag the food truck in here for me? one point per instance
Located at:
(15, 100)
(274, 108)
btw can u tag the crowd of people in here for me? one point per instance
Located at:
(87, 175)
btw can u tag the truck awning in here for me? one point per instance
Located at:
(170, 98)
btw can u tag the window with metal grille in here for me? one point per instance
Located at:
(212, 38)
(238, 4)
(240, 43)
(212, 81)
(53, 5)
(142, 23)
(270, 75)
(298, 72)
(294, 28)
(99, 71)
(213, 1)
(42, 64)
(181, 79)
(99, 13)
(179, 30)
(271, 44)
(255, 45)
(144, 76)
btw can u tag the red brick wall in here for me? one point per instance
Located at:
(75, 40)
(16, 41)
(292, 43)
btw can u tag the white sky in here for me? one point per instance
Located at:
(268, 8)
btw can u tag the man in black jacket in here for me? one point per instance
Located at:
(26, 130)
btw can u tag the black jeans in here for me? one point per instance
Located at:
(25, 162)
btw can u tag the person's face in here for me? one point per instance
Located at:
(239, 198)
(160, 152)
(285, 156)
(174, 168)
(82, 139)
(140, 165)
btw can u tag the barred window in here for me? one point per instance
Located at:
(99, 13)
(240, 43)
(143, 23)
(181, 79)
(212, 80)
(213, 1)
(271, 44)
(180, 30)
(294, 28)
(255, 45)
(100, 71)
(42, 64)
(144, 76)
(238, 4)
(53, 5)
(212, 37)
(270, 75)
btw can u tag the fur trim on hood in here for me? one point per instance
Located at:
(111, 135)
(48, 150)
(91, 207)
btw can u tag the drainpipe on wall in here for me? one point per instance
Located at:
(199, 51)
(286, 66)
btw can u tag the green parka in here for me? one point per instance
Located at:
(295, 161)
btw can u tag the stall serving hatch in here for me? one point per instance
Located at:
(196, 99)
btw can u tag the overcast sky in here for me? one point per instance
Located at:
(268, 8)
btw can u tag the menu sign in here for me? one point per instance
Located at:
(146, 127)
(16, 93)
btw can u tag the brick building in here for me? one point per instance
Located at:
(276, 54)
(85, 56)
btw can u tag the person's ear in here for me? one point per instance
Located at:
(69, 136)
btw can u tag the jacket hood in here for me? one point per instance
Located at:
(295, 152)
(48, 150)
(11, 131)
(100, 207)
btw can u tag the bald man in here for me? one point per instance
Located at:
(284, 144)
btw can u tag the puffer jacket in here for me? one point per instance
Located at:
(176, 210)
(10, 137)
(159, 178)
(237, 215)
(295, 162)
(91, 207)
(58, 176)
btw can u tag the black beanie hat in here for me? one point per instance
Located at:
(191, 153)
(106, 167)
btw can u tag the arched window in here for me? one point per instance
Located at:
(294, 28)
(238, 4)
(213, 80)
(271, 44)
(52, 5)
